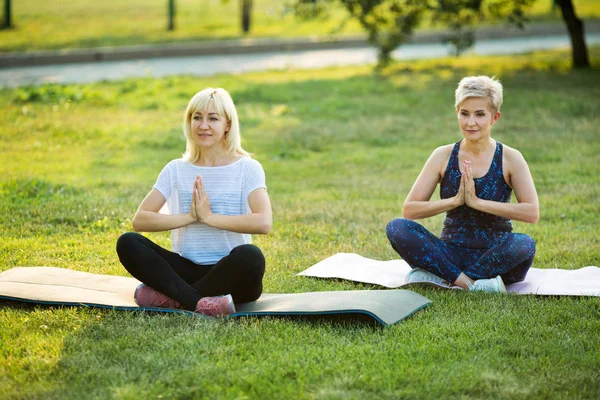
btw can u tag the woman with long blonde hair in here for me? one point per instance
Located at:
(216, 194)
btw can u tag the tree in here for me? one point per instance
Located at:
(246, 6)
(576, 32)
(171, 15)
(246, 14)
(462, 15)
(389, 23)
(7, 15)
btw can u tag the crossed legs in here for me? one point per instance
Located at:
(240, 273)
(511, 259)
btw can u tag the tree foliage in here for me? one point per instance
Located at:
(390, 23)
(461, 16)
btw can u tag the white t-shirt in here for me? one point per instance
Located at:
(227, 187)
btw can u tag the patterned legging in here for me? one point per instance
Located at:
(511, 258)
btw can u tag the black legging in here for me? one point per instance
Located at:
(239, 274)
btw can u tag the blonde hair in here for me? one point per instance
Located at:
(223, 104)
(480, 86)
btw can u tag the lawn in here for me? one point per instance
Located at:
(43, 25)
(341, 148)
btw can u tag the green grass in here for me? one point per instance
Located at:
(42, 25)
(341, 148)
(89, 23)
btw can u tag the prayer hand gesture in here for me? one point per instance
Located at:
(460, 196)
(468, 185)
(200, 209)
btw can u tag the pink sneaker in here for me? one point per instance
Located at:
(145, 296)
(216, 306)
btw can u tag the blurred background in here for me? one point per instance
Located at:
(58, 24)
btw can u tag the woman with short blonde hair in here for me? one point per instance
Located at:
(477, 249)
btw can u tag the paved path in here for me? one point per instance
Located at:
(239, 63)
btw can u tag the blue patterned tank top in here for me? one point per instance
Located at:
(464, 226)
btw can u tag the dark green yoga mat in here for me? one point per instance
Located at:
(59, 286)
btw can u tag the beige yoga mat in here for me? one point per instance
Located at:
(392, 274)
(59, 286)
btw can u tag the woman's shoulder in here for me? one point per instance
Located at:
(512, 159)
(249, 162)
(510, 153)
(443, 152)
(445, 149)
(172, 165)
(176, 162)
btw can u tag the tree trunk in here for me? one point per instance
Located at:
(171, 18)
(7, 15)
(576, 32)
(246, 14)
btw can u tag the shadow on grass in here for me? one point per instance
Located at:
(104, 352)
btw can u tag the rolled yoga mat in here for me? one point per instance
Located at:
(392, 274)
(60, 286)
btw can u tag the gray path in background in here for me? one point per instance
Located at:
(239, 63)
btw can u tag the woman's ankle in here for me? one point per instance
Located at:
(463, 281)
